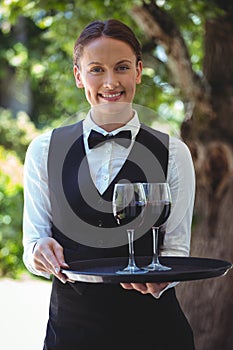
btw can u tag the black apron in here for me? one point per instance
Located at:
(86, 316)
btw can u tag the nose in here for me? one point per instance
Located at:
(111, 81)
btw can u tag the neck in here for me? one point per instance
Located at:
(112, 117)
(111, 127)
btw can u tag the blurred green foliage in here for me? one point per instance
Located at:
(11, 196)
(15, 136)
(37, 39)
(37, 88)
(16, 133)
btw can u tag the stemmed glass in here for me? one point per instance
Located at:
(158, 208)
(129, 203)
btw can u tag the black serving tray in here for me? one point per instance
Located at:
(182, 269)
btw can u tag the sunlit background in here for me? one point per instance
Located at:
(38, 92)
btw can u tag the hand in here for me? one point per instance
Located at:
(146, 288)
(48, 257)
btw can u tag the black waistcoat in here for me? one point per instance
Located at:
(97, 315)
(71, 187)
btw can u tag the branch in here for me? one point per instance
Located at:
(161, 28)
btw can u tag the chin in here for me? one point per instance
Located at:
(114, 111)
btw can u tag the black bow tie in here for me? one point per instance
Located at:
(123, 138)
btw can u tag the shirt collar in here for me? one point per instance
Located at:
(133, 125)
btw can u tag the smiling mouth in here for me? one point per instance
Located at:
(112, 96)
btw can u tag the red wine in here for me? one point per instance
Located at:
(159, 211)
(129, 213)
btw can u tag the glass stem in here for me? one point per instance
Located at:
(130, 233)
(155, 258)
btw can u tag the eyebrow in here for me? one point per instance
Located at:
(99, 63)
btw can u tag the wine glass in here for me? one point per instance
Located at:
(158, 208)
(129, 203)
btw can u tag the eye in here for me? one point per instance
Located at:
(96, 70)
(122, 67)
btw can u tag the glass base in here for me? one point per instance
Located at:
(134, 270)
(156, 267)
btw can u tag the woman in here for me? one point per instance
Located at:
(69, 181)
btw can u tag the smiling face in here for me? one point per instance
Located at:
(108, 72)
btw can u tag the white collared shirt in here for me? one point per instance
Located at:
(104, 163)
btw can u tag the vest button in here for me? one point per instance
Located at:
(100, 223)
(100, 243)
(100, 202)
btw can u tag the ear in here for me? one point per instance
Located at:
(77, 76)
(139, 72)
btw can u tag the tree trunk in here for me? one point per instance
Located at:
(209, 304)
(15, 89)
(207, 130)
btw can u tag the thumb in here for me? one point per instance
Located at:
(58, 252)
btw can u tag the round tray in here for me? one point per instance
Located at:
(182, 269)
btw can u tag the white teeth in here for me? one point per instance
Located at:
(111, 95)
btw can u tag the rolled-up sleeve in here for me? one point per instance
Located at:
(37, 209)
(181, 178)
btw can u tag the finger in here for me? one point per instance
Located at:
(51, 261)
(71, 281)
(58, 252)
(156, 287)
(41, 264)
(126, 285)
(141, 287)
(68, 279)
(61, 277)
